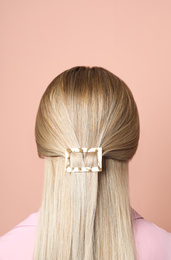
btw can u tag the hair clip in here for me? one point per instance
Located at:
(98, 168)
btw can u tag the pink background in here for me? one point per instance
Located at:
(39, 40)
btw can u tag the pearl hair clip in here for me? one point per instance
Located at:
(98, 168)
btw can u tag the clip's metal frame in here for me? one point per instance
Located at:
(98, 168)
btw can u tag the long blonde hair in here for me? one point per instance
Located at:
(86, 216)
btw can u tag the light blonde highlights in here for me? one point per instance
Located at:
(86, 216)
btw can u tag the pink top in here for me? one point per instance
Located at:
(152, 242)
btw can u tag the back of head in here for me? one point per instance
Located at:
(86, 215)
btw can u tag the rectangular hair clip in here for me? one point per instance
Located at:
(97, 168)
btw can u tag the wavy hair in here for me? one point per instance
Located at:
(86, 215)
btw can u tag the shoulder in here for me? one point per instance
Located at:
(152, 242)
(20, 239)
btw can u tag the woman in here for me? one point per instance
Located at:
(86, 212)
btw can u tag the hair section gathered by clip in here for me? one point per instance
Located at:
(97, 168)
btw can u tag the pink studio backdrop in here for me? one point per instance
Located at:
(39, 40)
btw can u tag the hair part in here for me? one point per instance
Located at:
(86, 215)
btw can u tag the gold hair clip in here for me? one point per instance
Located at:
(83, 169)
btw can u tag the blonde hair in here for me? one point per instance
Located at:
(86, 216)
